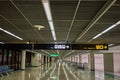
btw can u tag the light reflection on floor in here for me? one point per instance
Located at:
(59, 71)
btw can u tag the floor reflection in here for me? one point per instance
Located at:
(99, 75)
(61, 71)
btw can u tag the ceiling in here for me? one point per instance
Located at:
(75, 21)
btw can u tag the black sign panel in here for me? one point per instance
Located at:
(56, 46)
(52, 46)
(89, 47)
(16, 46)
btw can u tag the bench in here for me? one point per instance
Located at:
(5, 70)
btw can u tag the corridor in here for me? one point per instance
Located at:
(58, 71)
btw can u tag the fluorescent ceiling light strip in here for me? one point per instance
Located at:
(28, 42)
(51, 25)
(47, 9)
(11, 34)
(45, 51)
(35, 52)
(106, 30)
(97, 35)
(54, 38)
(52, 30)
(2, 43)
(98, 16)
(117, 23)
(110, 45)
(53, 33)
(49, 17)
(69, 53)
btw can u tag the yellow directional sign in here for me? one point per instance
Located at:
(105, 47)
(101, 47)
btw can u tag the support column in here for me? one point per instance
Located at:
(89, 62)
(36, 60)
(71, 58)
(108, 62)
(42, 59)
(80, 59)
(48, 59)
(74, 58)
(53, 59)
(23, 59)
(92, 67)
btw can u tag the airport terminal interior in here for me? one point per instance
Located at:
(59, 39)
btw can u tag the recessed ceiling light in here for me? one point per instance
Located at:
(39, 26)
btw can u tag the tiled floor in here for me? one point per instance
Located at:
(59, 71)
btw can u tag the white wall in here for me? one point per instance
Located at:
(116, 60)
(84, 58)
(77, 58)
(99, 62)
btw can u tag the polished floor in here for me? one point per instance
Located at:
(58, 71)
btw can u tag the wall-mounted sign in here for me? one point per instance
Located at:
(89, 46)
(61, 46)
(54, 55)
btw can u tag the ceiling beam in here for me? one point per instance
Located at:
(101, 12)
(71, 25)
(28, 21)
